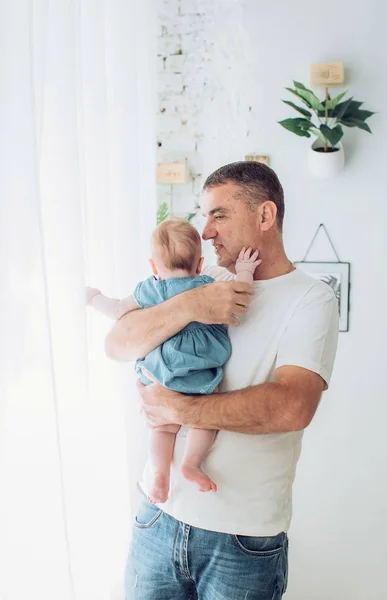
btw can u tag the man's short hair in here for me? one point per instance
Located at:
(258, 183)
(178, 243)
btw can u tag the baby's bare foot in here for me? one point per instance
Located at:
(160, 489)
(197, 476)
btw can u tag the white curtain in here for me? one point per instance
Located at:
(77, 204)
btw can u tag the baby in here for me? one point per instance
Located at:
(191, 361)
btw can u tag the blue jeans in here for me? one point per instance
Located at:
(170, 560)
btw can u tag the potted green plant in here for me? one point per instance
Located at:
(163, 214)
(325, 119)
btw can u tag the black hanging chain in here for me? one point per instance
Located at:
(313, 240)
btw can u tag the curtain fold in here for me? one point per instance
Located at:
(77, 205)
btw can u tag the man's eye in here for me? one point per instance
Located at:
(219, 217)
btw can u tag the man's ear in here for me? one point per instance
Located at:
(267, 215)
(200, 266)
(153, 267)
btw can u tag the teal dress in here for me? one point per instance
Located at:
(191, 361)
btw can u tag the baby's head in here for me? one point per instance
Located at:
(176, 249)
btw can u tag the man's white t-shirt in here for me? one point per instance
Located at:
(292, 320)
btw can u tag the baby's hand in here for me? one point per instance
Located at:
(245, 262)
(91, 293)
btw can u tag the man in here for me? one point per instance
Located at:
(232, 544)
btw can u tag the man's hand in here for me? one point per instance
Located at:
(158, 403)
(221, 302)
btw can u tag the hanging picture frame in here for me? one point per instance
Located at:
(336, 274)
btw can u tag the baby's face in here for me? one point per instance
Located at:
(158, 267)
(157, 263)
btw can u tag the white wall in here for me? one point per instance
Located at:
(223, 67)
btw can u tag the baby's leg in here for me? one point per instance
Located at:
(161, 453)
(199, 441)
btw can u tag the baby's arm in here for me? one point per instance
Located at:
(111, 307)
(245, 265)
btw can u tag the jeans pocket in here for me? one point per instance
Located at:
(260, 546)
(147, 515)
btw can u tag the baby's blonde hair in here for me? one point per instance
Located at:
(178, 244)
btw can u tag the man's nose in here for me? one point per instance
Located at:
(208, 232)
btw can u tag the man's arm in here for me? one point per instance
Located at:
(140, 331)
(304, 362)
(287, 404)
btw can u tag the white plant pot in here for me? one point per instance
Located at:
(325, 164)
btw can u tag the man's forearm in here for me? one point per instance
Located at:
(142, 330)
(260, 409)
